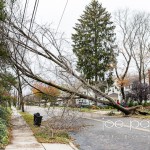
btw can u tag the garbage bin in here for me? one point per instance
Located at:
(37, 119)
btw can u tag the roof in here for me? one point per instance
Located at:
(113, 95)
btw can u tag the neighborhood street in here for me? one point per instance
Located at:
(107, 133)
(74, 75)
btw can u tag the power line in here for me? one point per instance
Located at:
(24, 12)
(31, 22)
(33, 14)
(62, 16)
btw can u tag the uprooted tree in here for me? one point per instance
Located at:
(44, 46)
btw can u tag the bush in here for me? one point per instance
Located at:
(130, 104)
(5, 114)
(108, 107)
(3, 132)
(148, 104)
(145, 104)
(4, 123)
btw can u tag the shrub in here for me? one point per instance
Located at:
(145, 104)
(3, 132)
(4, 123)
(5, 114)
(135, 104)
(130, 104)
(148, 104)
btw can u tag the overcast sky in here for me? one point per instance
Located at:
(50, 11)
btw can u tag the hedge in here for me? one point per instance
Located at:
(5, 114)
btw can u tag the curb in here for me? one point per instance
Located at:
(73, 146)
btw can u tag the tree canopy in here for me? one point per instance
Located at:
(7, 79)
(93, 43)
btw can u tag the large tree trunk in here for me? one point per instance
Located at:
(21, 106)
(140, 89)
(21, 102)
(122, 92)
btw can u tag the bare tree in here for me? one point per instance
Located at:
(133, 29)
(141, 52)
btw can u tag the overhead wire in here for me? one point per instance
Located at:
(60, 19)
(62, 15)
(31, 22)
(33, 14)
(24, 12)
(32, 19)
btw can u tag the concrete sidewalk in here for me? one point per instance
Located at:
(23, 139)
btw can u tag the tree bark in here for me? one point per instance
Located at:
(122, 92)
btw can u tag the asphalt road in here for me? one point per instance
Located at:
(108, 133)
(112, 136)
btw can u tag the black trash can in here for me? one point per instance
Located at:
(37, 119)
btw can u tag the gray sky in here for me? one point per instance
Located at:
(50, 11)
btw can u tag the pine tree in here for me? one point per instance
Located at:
(6, 78)
(3, 52)
(2, 12)
(93, 44)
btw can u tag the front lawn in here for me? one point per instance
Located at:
(45, 134)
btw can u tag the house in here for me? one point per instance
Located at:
(85, 102)
(115, 93)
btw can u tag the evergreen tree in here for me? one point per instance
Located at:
(3, 45)
(7, 80)
(93, 44)
(2, 12)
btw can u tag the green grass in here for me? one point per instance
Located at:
(104, 109)
(81, 109)
(44, 134)
(86, 110)
(92, 110)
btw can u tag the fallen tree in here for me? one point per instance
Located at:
(43, 43)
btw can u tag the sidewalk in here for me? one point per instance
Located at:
(23, 139)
